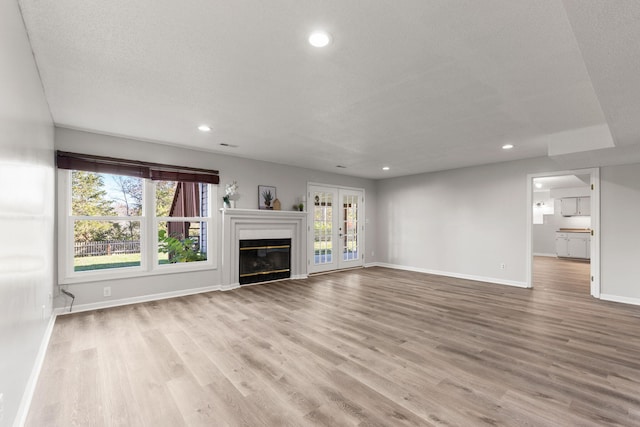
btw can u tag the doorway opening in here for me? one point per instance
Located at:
(563, 231)
(336, 227)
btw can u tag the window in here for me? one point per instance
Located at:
(143, 220)
(106, 220)
(182, 214)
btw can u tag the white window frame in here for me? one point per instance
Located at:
(148, 238)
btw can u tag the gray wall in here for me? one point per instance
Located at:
(26, 212)
(469, 221)
(291, 182)
(464, 221)
(620, 244)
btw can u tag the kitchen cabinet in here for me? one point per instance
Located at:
(562, 245)
(573, 245)
(578, 246)
(575, 206)
(584, 206)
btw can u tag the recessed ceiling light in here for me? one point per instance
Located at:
(507, 146)
(204, 128)
(385, 168)
(319, 39)
(538, 185)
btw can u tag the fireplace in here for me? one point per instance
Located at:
(255, 224)
(262, 260)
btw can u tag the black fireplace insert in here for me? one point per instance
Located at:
(263, 260)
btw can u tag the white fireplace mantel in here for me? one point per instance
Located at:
(240, 224)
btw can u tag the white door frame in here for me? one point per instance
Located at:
(361, 214)
(595, 224)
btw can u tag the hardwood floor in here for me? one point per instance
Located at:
(562, 275)
(362, 347)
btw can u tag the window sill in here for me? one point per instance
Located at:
(89, 276)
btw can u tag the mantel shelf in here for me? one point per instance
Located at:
(259, 212)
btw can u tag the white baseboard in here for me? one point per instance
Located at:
(616, 298)
(27, 396)
(455, 275)
(544, 254)
(230, 287)
(135, 300)
(154, 297)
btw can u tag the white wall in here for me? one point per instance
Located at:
(26, 213)
(291, 182)
(466, 222)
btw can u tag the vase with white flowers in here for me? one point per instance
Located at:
(230, 191)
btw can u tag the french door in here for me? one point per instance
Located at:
(336, 228)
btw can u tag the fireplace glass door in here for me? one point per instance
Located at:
(263, 260)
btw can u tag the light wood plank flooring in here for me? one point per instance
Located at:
(362, 347)
(562, 275)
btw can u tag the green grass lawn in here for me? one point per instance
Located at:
(88, 263)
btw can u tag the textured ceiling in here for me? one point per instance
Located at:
(415, 85)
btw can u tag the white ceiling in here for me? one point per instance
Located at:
(416, 85)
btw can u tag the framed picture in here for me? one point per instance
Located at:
(266, 196)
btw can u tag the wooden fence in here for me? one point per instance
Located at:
(107, 247)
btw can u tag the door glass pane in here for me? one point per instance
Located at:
(322, 227)
(350, 228)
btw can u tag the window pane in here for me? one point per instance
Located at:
(101, 245)
(99, 194)
(181, 199)
(181, 241)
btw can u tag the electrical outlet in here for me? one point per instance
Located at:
(106, 291)
(503, 266)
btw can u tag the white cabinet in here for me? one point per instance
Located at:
(569, 206)
(575, 206)
(562, 245)
(578, 247)
(584, 206)
(573, 245)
